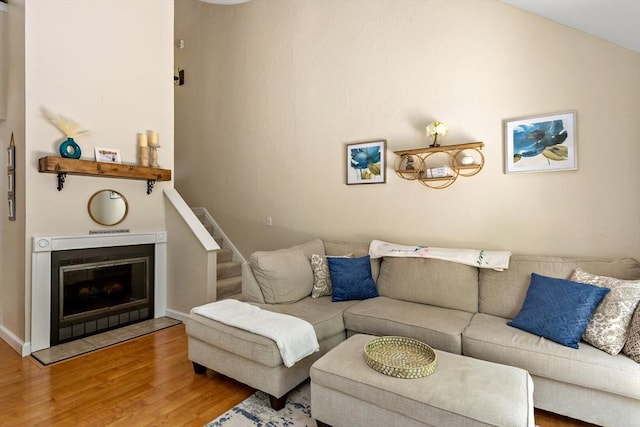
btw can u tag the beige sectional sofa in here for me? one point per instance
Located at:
(450, 306)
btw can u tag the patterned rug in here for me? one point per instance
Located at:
(256, 411)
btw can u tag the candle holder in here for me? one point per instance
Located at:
(143, 155)
(154, 155)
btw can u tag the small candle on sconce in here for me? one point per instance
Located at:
(142, 140)
(143, 150)
(154, 146)
(153, 137)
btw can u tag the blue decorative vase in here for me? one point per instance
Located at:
(70, 149)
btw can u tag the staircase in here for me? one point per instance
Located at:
(229, 261)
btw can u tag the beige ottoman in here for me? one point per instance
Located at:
(462, 391)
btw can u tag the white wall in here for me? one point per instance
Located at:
(275, 89)
(109, 66)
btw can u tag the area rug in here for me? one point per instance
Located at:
(255, 411)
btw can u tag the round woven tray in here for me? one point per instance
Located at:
(400, 357)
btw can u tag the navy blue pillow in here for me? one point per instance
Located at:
(558, 309)
(351, 278)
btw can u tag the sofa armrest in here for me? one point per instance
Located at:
(250, 289)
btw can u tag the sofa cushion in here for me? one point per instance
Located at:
(441, 328)
(501, 293)
(430, 281)
(285, 275)
(632, 346)
(558, 309)
(325, 316)
(489, 338)
(351, 278)
(608, 327)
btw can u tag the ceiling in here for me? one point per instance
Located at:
(617, 21)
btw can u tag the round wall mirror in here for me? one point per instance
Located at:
(108, 207)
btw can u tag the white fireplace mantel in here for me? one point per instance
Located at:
(41, 273)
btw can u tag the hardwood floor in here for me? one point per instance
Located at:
(147, 381)
(144, 382)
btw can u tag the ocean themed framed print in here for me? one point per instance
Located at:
(545, 143)
(366, 162)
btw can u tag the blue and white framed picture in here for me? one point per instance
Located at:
(366, 162)
(545, 143)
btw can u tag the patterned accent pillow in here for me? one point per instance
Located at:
(632, 346)
(607, 329)
(321, 275)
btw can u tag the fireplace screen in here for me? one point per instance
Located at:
(99, 289)
(95, 288)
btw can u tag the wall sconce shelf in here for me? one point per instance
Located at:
(439, 167)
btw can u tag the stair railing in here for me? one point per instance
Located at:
(191, 258)
(217, 231)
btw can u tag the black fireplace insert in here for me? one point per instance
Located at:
(99, 289)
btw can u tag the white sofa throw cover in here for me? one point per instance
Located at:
(295, 338)
(497, 260)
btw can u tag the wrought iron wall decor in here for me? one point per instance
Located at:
(11, 179)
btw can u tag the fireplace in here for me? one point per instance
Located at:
(113, 312)
(98, 289)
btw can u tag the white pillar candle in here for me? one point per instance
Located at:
(142, 140)
(153, 137)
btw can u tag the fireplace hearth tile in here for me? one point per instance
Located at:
(95, 342)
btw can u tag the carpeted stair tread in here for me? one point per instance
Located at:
(224, 255)
(228, 269)
(229, 287)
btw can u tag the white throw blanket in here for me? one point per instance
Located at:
(295, 338)
(498, 260)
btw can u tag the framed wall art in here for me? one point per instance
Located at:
(366, 162)
(544, 143)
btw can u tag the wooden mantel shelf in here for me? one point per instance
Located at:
(63, 166)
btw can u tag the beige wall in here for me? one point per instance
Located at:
(274, 90)
(4, 32)
(13, 232)
(109, 66)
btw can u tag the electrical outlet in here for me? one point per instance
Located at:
(269, 221)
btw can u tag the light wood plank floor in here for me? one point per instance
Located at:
(144, 382)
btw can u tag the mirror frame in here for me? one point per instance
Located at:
(122, 197)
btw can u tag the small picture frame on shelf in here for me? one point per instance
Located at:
(544, 143)
(366, 162)
(108, 155)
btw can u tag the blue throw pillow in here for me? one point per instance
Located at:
(558, 309)
(351, 278)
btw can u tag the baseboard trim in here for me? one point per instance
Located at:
(178, 315)
(20, 347)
